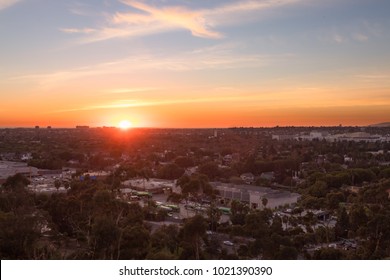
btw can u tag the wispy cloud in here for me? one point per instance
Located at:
(121, 104)
(339, 38)
(360, 37)
(7, 3)
(220, 56)
(80, 9)
(175, 17)
(359, 32)
(75, 30)
(373, 78)
(131, 90)
(146, 19)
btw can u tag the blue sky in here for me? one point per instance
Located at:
(286, 62)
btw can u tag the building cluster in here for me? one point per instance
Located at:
(316, 135)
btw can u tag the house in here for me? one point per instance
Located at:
(248, 178)
(352, 189)
(347, 159)
(270, 176)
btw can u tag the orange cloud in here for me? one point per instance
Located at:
(7, 3)
(200, 23)
(174, 16)
(75, 30)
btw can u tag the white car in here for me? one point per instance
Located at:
(228, 243)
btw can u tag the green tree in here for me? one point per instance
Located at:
(17, 181)
(193, 231)
(342, 225)
(195, 185)
(18, 235)
(318, 189)
(210, 169)
(287, 253)
(328, 254)
(213, 216)
(105, 235)
(239, 211)
(170, 171)
(184, 162)
(166, 238)
(333, 199)
(133, 243)
(264, 202)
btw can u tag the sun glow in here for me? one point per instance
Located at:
(125, 124)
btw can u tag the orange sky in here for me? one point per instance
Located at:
(194, 63)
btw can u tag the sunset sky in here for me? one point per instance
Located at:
(204, 63)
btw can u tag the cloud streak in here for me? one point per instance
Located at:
(146, 19)
(7, 3)
(174, 17)
(122, 104)
(75, 30)
(217, 57)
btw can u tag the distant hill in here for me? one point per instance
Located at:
(385, 124)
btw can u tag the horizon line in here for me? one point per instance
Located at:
(216, 127)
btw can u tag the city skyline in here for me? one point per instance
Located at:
(194, 63)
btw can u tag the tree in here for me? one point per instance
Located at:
(166, 238)
(17, 181)
(210, 169)
(357, 217)
(264, 202)
(170, 171)
(257, 223)
(18, 235)
(239, 211)
(193, 231)
(318, 189)
(287, 253)
(195, 185)
(311, 202)
(328, 254)
(184, 162)
(342, 225)
(360, 175)
(213, 215)
(133, 243)
(105, 235)
(175, 197)
(333, 199)
(57, 184)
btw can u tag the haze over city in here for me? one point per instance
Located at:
(194, 63)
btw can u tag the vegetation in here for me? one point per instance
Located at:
(343, 211)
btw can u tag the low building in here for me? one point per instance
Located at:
(10, 168)
(96, 175)
(281, 137)
(152, 185)
(254, 195)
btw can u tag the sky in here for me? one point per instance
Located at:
(204, 63)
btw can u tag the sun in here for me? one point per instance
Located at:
(125, 124)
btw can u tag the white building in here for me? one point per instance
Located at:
(253, 195)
